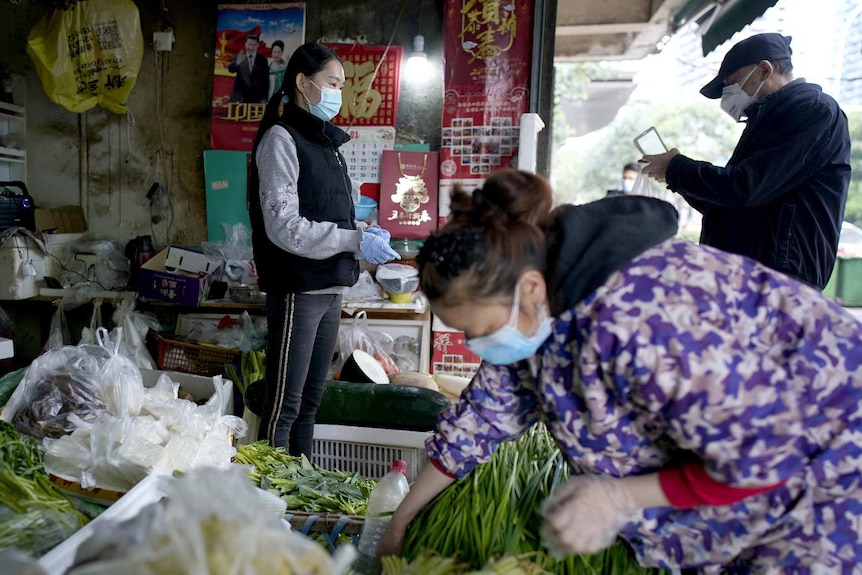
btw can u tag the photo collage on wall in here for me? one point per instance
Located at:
(481, 149)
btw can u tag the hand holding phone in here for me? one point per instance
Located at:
(650, 143)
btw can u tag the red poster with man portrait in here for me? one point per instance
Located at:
(253, 44)
(487, 49)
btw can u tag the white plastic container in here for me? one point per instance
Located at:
(385, 498)
(16, 253)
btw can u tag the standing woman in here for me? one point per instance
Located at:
(713, 406)
(305, 239)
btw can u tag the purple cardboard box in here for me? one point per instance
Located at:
(177, 286)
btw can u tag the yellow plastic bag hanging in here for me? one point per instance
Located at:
(89, 54)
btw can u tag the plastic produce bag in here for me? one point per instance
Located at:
(363, 290)
(59, 384)
(237, 253)
(358, 336)
(405, 353)
(36, 531)
(212, 522)
(89, 54)
(88, 334)
(96, 260)
(135, 325)
(122, 385)
(58, 332)
(643, 186)
(246, 334)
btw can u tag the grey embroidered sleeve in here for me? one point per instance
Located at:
(278, 170)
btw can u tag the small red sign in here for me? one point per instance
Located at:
(408, 193)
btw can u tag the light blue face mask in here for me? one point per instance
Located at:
(330, 103)
(507, 345)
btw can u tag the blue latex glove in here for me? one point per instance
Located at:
(379, 232)
(376, 250)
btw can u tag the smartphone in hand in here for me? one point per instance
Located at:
(650, 143)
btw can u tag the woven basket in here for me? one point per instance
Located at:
(178, 355)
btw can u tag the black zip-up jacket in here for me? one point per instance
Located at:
(781, 198)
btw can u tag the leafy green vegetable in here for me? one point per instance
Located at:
(494, 512)
(33, 515)
(9, 382)
(305, 487)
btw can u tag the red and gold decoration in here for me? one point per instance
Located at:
(373, 77)
(487, 52)
(408, 193)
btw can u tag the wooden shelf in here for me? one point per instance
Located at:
(11, 110)
(13, 154)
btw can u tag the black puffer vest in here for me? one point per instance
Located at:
(324, 196)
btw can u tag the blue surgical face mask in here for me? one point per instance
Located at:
(329, 105)
(507, 345)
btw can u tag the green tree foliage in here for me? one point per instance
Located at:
(572, 84)
(585, 168)
(853, 212)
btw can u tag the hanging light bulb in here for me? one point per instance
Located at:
(417, 63)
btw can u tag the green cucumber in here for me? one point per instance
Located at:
(383, 406)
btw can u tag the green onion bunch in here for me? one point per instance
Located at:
(494, 512)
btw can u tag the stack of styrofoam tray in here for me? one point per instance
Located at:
(149, 490)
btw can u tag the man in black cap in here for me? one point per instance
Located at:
(781, 197)
(251, 83)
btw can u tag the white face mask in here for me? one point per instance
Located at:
(628, 185)
(734, 100)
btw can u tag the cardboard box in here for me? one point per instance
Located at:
(181, 287)
(187, 260)
(65, 220)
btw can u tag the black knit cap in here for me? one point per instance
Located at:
(770, 46)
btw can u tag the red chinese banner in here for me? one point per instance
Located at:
(369, 100)
(487, 49)
(408, 193)
(253, 44)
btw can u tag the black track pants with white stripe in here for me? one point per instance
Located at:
(303, 333)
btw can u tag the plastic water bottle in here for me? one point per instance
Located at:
(384, 500)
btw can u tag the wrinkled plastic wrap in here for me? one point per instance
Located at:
(101, 261)
(216, 524)
(170, 434)
(35, 531)
(59, 383)
(247, 334)
(405, 353)
(365, 289)
(236, 252)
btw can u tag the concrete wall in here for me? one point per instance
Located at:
(106, 162)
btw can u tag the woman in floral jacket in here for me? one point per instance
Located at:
(711, 404)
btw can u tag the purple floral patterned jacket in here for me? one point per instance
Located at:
(685, 352)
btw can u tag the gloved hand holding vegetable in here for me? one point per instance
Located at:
(586, 515)
(376, 250)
